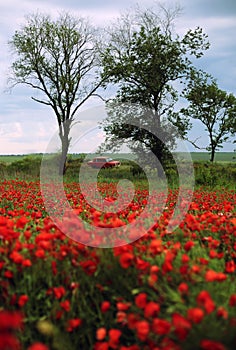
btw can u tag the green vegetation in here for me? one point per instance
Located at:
(220, 173)
(147, 58)
(219, 157)
(196, 156)
(213, 107)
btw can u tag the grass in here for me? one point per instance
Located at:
(220, 156)
(196, 156)
(217, 175)
(15, 158)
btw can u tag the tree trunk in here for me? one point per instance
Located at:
(64, 152)
(64, 130)
(213, 150)
(158, 151)
(62, 163)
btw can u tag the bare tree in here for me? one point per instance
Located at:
(58, 58)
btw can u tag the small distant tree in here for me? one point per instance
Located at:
(56, 58)
(215, 108)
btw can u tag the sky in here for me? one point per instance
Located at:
(27, 126)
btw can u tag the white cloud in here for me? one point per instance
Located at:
(15, 132)
(26, 126)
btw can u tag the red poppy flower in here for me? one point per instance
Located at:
(89, 266)
(123, 306)
(101, 333)
(161, 327)
(195, 315)
(65, 305)
(105, 306)
(142, 329)
(26, 263)
(101, 346)
(141, 300)
(10, 320)
(212, 345)
(73, 323)
(230, 266)
(222, 312)
(126, 260)
(40, 253)
(232, 300)
(132, 320)
(182, 326)
(38, 346)
(183, 288)
(204, 299)
(21, 222)
(114, 336)
(188, 245)
(120, 317)
(59, 292)
(16, 257)
(151, 309)
(212, 276)
(9, 342)
(156, 247)
(23, 300)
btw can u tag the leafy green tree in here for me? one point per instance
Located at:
(215, 108)
(148, 61)
(57, 58)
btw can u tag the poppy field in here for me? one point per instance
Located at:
(166, 290)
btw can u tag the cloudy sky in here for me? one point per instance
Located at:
(27, 127)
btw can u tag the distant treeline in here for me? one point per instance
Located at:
(196, 156)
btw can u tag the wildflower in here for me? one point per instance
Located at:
(161, 327)
(222, 313)
(23, 300)
(204, 299)
(195, 315)
(211, 345)
(114, 336)
(212, 276)
(40, 253)
(101, 333)
(181, 325)
(230, 266)
(151, 309)
(38, 346)
(65, 305)
(89, 266)
(183, 288)
(16, 257)
(123, 306)
(105, 306)
(142, 329)
(126, 260)
(73, 323)
(141, 300)
(10, 320)
(188, 245)
(232, 300)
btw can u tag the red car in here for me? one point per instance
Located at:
(103, 162)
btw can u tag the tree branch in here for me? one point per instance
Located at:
(41, 101)
(194, 143)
